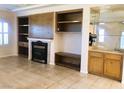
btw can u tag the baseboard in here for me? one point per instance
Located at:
(83, 72)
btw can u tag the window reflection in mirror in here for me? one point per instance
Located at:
(122, 41)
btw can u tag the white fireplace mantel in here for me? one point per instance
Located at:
(50, 59)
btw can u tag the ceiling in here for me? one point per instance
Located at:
(113, 12)
(113, 8)
(108, 13)
(16, 7)
(110, 8)
(19, 7)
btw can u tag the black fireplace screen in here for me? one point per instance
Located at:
(39, 52)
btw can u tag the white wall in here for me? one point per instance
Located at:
(71, 42)
(58, 42)
(11, 48)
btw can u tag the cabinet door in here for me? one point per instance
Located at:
(112, 68)
(96, 65)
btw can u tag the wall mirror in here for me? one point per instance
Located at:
(107, 27)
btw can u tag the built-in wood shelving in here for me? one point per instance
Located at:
(69, 21)
(68, 60)
(23, 27)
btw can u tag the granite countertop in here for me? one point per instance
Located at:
(106, 51)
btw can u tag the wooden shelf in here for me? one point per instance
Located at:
(23, 25)
(68, 60)
(23, 44)
(67, 32)
(23, 33)
(63, 22)
(68, 54)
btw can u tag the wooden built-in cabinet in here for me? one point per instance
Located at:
(105, 64)
(34, 26)
(69, 21)
(23, 28)
(41, 26)
(96, 63)
(68, 60)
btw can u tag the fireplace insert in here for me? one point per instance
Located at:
(39, 52)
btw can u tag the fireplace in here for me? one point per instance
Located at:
(39, 52)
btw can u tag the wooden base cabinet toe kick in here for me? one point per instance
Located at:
(105, 64)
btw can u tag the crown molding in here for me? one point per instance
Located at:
(32, 7)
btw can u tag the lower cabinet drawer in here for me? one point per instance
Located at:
(96, 54)
(113, 56)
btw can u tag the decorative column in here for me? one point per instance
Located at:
(85, 40)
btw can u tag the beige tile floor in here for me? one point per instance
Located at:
(17, 72)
